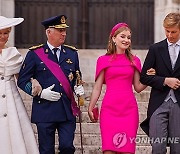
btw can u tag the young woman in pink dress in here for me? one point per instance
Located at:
(119, 70)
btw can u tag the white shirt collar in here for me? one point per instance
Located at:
(52, 47)
(169, 44)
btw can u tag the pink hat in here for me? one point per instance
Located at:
(117, 26)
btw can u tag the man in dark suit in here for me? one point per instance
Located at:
(54, 66)
(163, 115)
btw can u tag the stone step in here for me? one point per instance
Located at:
(97, 150)
(91, 131)
(85, 117)
(95, 140)
(88, 87)
(92, 148)
(93, 128)
(88, 150)
(140, 97)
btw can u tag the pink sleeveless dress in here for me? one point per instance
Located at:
(119, 112)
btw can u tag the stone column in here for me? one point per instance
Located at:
(7, 9)
(0, 7)
(162, 8)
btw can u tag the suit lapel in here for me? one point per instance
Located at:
(164, 52)
(48, 51)
(63, 55)
(177, 65)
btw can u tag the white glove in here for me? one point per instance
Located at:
(50, 95)
(79, 90)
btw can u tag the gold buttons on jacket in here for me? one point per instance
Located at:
(3, 96)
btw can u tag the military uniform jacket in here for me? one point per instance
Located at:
(44, 110)
(158, 58)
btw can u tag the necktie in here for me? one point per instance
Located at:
(173, 55)
(55, 55)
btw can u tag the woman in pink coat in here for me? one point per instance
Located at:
(119, 70)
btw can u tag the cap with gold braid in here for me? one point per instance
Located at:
(55, 22)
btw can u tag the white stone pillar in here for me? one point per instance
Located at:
(0, 7)
(7, 9)
(162, 8)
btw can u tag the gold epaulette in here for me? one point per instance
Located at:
(35, 47)
(71, 47)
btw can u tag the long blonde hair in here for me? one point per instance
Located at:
(111, 47)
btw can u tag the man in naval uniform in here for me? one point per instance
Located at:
(54, 66)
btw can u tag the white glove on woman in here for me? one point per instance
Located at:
(50, 95)
(79, 90)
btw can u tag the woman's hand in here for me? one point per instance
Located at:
(90, 113)
(151, 71)
(36, 87)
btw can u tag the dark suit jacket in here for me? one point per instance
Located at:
(44, 110)
(159, 59)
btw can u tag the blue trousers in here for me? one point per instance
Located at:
(46, 137)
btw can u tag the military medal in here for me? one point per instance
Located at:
(69, 61)
(71, 76)
(63, 20)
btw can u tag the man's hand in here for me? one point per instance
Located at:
(50, 95)
(36, 87)
(151, 71)
(79, 90)
(173, 83)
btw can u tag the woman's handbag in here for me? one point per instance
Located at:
(95, 112)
